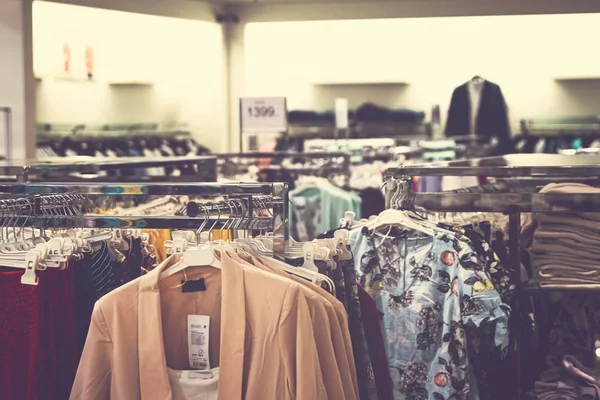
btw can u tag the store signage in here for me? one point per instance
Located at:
(341, 113)
(265, 114)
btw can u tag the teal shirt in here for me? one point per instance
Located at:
(316, 210)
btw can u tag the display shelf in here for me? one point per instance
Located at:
(577, 77)
(128, 82)
(334, 82)
(66, 78)
(511, 165)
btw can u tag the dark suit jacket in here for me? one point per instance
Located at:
(492, 119)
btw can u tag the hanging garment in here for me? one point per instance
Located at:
(373, 202)
(492, 116)
(504, 280)
(429, 288)
(341, 339)
(85, 297)
(371, 319)
(319, 208)
(38, 348)
(104, 278)
(133, 262)
(344, 277)
(264, 346)
(21, 338)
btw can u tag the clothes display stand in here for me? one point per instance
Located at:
(529, 173)
(126, 169)
(252, 196)
(56, 241)
(273, 159)
(553, 135)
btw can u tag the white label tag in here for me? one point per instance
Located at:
(198, 328)
(266, 114)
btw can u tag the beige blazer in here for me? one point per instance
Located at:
(261, 336)
(335, 330)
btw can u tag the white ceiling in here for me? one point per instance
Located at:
(296, 1)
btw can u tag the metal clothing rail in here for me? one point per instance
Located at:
(206, 167)
(273, 196)
(512, 165)
(284, 154)
(139, 222)
(157, 189)
(547, 127)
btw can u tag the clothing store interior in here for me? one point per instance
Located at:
(299, 200)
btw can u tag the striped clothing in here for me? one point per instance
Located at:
(103, 275)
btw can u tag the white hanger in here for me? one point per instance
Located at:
(201, 255)
(309, 253)
(397, 217)
(343, 236)
(348, 220)
(308, 274)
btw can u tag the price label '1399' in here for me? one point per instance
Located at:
(266, 114)
(261, 111)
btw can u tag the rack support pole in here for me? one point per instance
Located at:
(280, 221)
(514, 230)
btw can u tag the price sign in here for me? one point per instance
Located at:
(266, 114)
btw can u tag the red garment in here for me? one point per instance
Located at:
(38, 356)
(60, 334)
(22, 353)
(373, 332)
(482, 180)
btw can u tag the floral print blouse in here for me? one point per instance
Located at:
(428, 288)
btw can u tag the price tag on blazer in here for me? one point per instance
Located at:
(266, 114)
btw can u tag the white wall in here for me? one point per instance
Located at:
(16, 80)
(433, 55)
(183, 60)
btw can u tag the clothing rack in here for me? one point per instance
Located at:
(344, 168)
(542, 167)
(361, 130)
(548, 127)
(33, 206)
(78, 132)
(61, 168)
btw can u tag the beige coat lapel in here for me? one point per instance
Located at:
(154, 379)
(233, 329)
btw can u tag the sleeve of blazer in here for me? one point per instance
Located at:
(502, 122)
(298, 348)
(325, 333)
(451, 129)
(94, 373)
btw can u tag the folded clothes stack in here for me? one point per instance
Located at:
(570, 381)
(563, 247)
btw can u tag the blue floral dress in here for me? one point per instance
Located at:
(428, 289)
